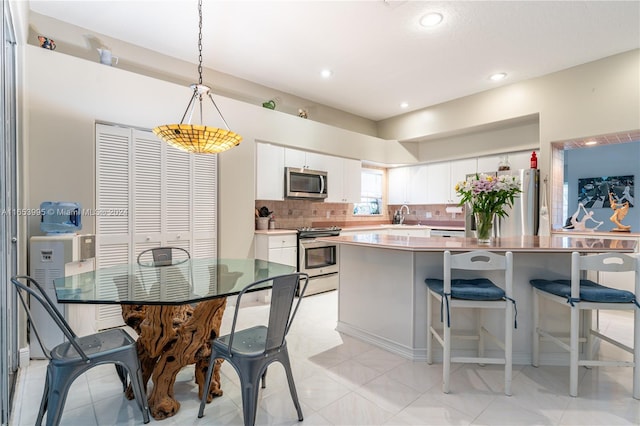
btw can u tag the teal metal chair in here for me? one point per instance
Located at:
(74, 357)
(252, 350)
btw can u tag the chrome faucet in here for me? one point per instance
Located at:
(401, 215)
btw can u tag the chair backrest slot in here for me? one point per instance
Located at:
(163, 256)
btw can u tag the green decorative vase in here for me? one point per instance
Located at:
(484, 227)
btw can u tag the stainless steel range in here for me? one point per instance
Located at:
(318, 259)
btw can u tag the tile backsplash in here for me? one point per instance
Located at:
(292, 214)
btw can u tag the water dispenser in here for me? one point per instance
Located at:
(59, 217)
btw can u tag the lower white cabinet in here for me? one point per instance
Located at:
(280, 248)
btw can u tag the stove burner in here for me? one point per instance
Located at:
(330, 228)
(310, 232)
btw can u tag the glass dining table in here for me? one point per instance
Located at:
(175, 309)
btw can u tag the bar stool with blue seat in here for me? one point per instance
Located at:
(580, 294)
(479, 293)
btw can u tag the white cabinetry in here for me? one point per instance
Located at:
(408, 185)
(305, 159)
(488, 164)
(344, 175)
(269, 172)
(428, 183)
(435, 183)
(521, 160)
(417, 185)
(398, 185)
(352, 180)
(280, 248)
(438, 183)
(344, 180)
(459, 171)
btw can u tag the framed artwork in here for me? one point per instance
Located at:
(593, 192)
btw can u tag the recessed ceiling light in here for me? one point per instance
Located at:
(404, 105)
(326, 73)
(591, 143)
(498, 76)
(431, 19)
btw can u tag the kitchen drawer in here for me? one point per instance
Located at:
(278, 241)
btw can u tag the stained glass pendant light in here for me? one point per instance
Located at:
(193, 137)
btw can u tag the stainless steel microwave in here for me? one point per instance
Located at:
(304, 183)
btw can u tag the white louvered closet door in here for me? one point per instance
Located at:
(204, 214)
(178, 208)
(147, 191)
(205, 205)
(170, 195)
(113, 232)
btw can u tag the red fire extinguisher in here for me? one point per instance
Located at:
(534, 160)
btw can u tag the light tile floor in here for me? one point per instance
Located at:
(343, 381)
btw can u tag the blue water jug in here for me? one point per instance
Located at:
(59, 217)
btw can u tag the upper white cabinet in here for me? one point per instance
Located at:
(306, 160)
(335, 178)
(345, 180)
(439, 183)
(459, 171)
(398, 182)
(344, 175)
(423, 184)
(269, 172)
(521, 160)
(417, 185)
(488, 164)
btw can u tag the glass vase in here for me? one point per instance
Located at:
(484, 227)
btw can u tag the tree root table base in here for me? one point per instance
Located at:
(171, 337)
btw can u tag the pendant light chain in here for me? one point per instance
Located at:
(198, 138)
(200, 41)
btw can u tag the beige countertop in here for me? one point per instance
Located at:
(531, 244)
(277, 231)
(364, 228)
(606, 234)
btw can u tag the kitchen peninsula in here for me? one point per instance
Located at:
(382, 295)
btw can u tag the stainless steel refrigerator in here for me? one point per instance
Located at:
(523, 218)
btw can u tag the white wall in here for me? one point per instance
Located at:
(597, 98)
(65, 96)
(82, 43)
